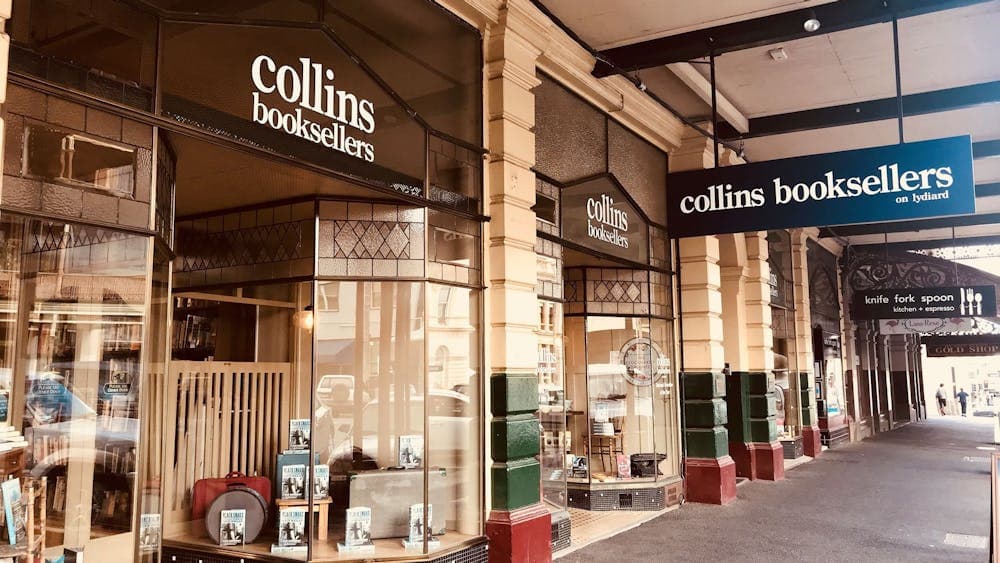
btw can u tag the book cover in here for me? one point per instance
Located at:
(11, 492)
(418, 523)
(291, 526)
(624, 466)
(321, 488)
(232, 527)
(411, 450)
(293, 481)
(149, 532)
(298, 434)
(59, 495)
(358, 526)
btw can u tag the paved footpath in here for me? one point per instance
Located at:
(918, 493)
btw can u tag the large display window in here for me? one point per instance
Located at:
(280, 277)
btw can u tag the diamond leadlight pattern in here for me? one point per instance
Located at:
(372, 239)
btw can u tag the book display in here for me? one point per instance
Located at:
(291, 527)
(150, 531)
(232, 529)
(357, 531)
(293, 482)
(420, 515)
(298, 434)
(411, 451)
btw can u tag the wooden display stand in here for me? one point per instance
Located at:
(33, 502)
(320, 506)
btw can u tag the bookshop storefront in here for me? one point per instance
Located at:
(241, 278)
(607, 376)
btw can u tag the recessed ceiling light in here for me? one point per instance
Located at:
(778, 54)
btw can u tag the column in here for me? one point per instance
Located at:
(802, 363)
(766, 451)
(519, 526)
(918, 378)
(899, 363)
(4, 59)
(710, 471)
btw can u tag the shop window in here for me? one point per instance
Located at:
(61, 156)
(545, 208)
(444, 298)
(105, 48)
(77, 378)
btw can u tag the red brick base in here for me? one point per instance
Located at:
(811, 445)
(711, 481)
(768, 460)
(520, 536)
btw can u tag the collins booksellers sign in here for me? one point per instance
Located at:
(891, 183)
(925, 302)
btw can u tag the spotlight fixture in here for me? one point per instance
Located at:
(811, 24)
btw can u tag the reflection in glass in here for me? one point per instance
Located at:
(84, 291)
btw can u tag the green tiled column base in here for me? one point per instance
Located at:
(762, 407)
(514, 437)
(705, 414)
(707, 442)
(807, 399)
(515, 474)
(515, 484)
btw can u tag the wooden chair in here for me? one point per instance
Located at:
(610, 446)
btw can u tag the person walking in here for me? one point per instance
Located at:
(942, 399)
(963, 399)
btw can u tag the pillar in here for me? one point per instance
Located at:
(899, 364)
(802, 363)
(710, 473)
(5, 6)
(519, 526)
(753, 442)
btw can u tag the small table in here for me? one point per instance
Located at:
(321, 506)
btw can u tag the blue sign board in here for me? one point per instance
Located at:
(891, 183)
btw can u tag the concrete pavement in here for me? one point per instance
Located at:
(918, 493)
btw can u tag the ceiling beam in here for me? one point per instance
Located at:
(914, 225)
(986, 149)
(702, 88)
(987, 190)
(835, 16)
(874, 110)
(957, 242)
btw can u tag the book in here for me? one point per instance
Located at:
(298, 434)
(232, 527)
(411, 450)
(59, 495)
(293, 481)
(291, 526)
(14, 514)
(358, 526)
(417, 526)
(275, 548)
(149, 531)
(624, 466)
(321, 484)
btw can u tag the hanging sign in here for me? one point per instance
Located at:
(597, 214)
(891, 183)
(925, 302)
(962, 345)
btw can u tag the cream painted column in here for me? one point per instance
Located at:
(519, 526)
(732, 262)
(760, 335)
(710, 471)
(802, 363)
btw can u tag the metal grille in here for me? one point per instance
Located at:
(634, 499)
(561, 531)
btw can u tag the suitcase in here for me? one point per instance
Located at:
(390, 493)
(205, 491)
(237, 496)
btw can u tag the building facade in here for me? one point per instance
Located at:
(432, 238)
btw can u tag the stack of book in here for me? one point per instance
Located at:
(11, 438)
